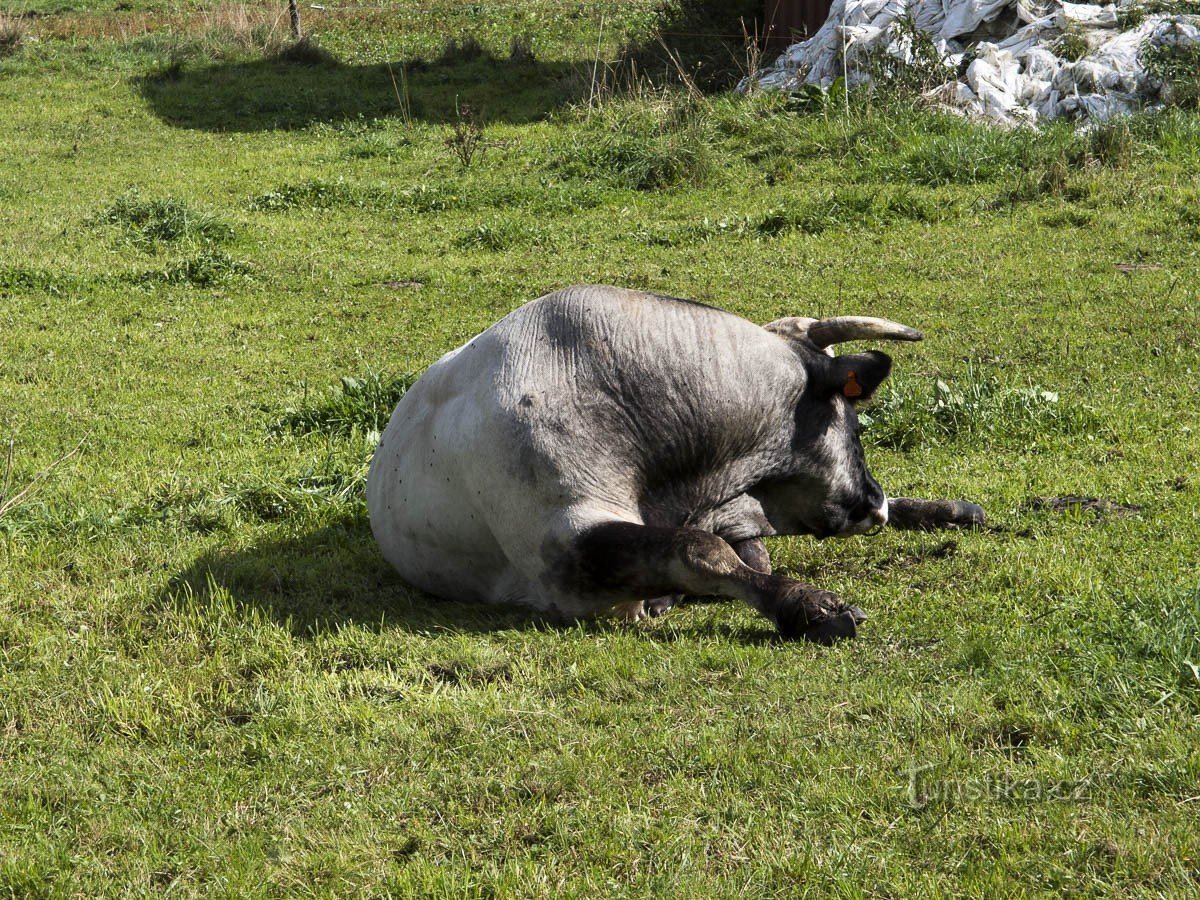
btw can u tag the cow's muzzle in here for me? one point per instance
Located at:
(870, 523)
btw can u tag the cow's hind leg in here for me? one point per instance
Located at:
(622, 559)
(752, 551)
(630, 610)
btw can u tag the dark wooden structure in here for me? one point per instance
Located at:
(788, 21)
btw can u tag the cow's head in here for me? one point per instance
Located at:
(828, 490)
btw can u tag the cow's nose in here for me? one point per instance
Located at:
(868, 519)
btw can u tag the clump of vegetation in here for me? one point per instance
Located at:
(208, 268)
(643, 145)
(355, 405)
(1131, 15)
(1072, 45)
(1066, 218)
(1186, 213)
(150, 223)
(1052, 179)
(304, 52)
(13, 32)
(1112, 143)
(234, 29)
(975, 408)
(376, 145)
(469, 672)
(273, 498)
(317, 193)
(1046, 162)
(964, 155)
(466, 138)
(171, 70)
(856, 208)
(925, 68)
(1177, 67)
(500, 235)
(21, 279)
(839, 209)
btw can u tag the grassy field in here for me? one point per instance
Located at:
(220, 264)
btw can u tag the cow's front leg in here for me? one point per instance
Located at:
(912, 514)
(626, 560)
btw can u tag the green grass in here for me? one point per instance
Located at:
(217, 266)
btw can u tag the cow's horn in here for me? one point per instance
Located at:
(859, 328)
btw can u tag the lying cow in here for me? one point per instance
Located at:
(601, 447)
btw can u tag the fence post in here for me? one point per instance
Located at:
(294, 14)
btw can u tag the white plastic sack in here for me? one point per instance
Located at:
(1019, 78)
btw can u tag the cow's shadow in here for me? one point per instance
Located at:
(322, 580)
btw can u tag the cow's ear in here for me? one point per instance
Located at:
(856, 376)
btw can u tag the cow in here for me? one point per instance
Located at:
(599, 449)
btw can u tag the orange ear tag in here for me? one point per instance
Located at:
(852, 388)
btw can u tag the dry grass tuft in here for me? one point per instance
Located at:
(13, 32)
(217, 31)
(236, 26)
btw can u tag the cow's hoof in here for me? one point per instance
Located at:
(630, 611)
(659, 605)
(840, 627)
(803, 611)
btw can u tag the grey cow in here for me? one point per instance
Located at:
(601, 447)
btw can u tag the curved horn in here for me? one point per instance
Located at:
(859, 328)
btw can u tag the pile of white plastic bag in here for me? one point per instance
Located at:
(1011, 61)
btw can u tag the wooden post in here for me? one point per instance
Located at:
(787, 21)
(294, 13)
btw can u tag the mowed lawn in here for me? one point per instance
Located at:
(219, 268)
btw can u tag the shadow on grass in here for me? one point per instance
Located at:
(332, 577)
(270, 94)
(699, 41)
